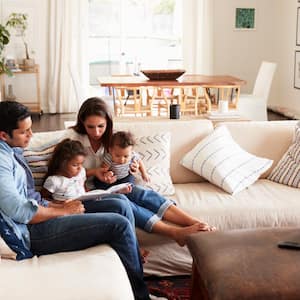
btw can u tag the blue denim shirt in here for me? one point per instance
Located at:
(18, 199)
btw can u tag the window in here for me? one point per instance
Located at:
(128, 35)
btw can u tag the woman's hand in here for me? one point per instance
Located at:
(104, 175)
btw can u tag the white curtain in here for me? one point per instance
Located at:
(198, 36)
(68, 41)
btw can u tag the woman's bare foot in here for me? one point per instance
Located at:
(144, 254)
(181, 233)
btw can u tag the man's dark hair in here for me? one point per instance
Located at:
(11, 112)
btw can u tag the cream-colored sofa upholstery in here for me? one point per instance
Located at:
(263, 204)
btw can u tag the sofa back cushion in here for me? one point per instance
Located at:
(185, 134)
(38, 153)
(265, 139)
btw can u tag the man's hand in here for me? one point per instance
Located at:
(73, 207)
(68, 207)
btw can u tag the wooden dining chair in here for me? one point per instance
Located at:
(130, 102)
(214, 93)
(192, 100)
(160, 98)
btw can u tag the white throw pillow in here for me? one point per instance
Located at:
(287, 171)
(220, 160)
(154, 151)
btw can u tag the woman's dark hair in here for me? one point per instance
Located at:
(11, 112)
(123, 139)
(64, 152)
(95, 107)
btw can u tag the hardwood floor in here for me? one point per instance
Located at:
(50, 122)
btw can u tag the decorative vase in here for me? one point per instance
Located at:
(10, 95)
(28, 62)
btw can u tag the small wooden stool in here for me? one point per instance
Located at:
(245, 265)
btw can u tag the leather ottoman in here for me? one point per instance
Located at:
(245, 264)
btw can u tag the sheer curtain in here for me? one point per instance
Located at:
(198, 36)
(67, 39)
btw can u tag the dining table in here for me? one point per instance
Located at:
(186, 81)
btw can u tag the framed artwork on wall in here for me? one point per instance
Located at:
(298, 27)
(297, 70)
(245, 19)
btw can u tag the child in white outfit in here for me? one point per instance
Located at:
(66, 176)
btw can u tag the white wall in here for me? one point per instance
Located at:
(290, 97)
(241, 52)
(37, 39)
(235, 52)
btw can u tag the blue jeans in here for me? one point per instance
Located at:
(77, 232)
(148, 206)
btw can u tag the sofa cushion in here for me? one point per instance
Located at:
(220, 160)
(154, 151)
(93, 273)
(37, 159)
(287, 171)
(5, 251)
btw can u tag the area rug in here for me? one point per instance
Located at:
(171, 288)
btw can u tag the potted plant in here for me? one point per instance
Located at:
(18, 21)
(4, 40)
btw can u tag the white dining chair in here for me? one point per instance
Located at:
(254, 106)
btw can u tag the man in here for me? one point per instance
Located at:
(44, 227)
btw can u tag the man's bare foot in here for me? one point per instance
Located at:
(144, 254)
(180, 234)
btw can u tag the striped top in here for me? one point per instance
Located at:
(120, 170)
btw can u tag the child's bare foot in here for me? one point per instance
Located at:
(207, 227)
(180, 234)
(144, 254)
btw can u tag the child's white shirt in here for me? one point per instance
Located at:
(64, 188)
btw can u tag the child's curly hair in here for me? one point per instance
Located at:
(64, 151)
(123, 139)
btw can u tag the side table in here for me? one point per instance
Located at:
(33, 104)
(245, 265)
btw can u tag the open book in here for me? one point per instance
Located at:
(96, 194)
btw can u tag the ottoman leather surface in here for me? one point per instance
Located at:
(247, 264)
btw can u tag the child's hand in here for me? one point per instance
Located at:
(146, 178)
(134, 167)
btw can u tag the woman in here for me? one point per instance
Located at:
(94, 129)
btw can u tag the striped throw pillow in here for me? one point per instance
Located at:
(220, 160)
(154, 151)
(287, 171)
(37, 159)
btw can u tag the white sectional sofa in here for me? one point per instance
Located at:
(97, 273)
